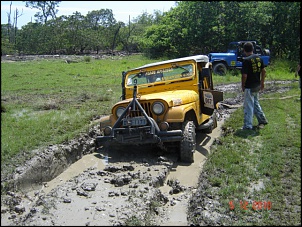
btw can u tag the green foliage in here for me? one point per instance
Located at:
(155, 44)
(191, 27)
(87, 58)
(134, 221)
(7, 47)
(48, 9)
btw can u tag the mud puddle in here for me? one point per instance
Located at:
(86, 162)
(176, 210)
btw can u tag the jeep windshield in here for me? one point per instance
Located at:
(150, 75)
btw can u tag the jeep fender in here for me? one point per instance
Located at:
(178, 113)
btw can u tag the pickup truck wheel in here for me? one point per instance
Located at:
(188, 143)
(220, 69)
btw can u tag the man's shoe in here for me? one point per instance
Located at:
(261, 125)
(244, 128)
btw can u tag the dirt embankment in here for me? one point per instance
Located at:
(67, 58)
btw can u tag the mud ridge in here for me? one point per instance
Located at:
(48, 163)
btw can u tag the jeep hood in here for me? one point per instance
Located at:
(214, 55)
(176, 97)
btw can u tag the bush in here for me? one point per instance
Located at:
(87, 58)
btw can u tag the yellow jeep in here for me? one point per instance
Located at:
(163, 103)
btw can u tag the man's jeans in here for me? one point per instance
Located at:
(252, 106)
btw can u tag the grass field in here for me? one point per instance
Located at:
(50, 101)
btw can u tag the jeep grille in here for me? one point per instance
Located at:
(146, 106)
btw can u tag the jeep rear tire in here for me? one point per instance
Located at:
(188, 143)
(220, 69)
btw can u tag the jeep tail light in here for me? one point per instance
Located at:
(158, 108)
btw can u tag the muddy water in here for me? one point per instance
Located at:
(176, 215)
(187, 175)
(87, 161)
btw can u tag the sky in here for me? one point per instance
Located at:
(121, 9)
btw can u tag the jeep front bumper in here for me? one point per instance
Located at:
(149, 134)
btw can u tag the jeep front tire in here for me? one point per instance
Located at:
(188, 143)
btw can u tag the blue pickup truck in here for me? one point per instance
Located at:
(232, 60)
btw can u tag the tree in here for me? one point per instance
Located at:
(12, 28)
(47, 8)
(191, 27)
(104, 28)
(132, 35)
(199, 27)
(100, 18)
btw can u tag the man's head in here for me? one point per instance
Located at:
(248, 47)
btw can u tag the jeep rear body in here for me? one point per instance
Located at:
(162, 100)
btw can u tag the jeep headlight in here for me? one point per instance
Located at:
(119, 111)
(158, 108)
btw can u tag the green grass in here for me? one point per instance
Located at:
(269, 158)
(50, 101)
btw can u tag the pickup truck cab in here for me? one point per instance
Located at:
(232, 59)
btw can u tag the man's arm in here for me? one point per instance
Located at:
(243, 79)
(263, 74)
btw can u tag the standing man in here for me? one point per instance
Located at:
(252, 81)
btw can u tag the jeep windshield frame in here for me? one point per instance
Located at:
(233, 47)
(164, 73)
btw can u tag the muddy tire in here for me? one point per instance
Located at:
(188, 143)
(220, 69)
(213, 126)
